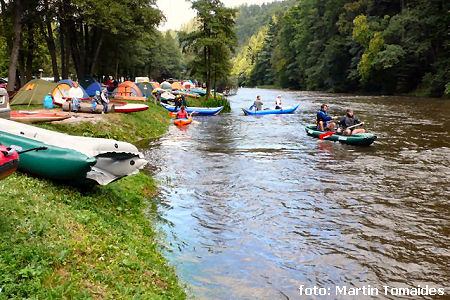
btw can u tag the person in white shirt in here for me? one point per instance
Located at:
(278, 102)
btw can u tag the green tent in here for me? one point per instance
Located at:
(33, 93)
(146, 88)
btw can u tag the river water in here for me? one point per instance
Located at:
(253, 208)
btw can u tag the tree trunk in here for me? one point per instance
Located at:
(30, 53)
(96, 54)
(47, 32)
(14, 58)
(208, 73)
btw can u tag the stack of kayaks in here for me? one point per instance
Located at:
(199, 111)
(360, 139)
(182, 122)
(9, 161)
(71, 158)
(287, 110)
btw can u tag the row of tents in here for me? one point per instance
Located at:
(34, 92)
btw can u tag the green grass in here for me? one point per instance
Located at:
(59, 242)
(219, 101)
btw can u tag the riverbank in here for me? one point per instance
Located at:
(61, 242)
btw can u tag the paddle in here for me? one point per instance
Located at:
(19, 150)
(330, 133)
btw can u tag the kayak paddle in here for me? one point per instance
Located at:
(330, 133)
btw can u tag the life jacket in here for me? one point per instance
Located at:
(182, 114)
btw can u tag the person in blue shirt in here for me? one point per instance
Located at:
(324, 121)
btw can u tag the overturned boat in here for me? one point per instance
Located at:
(71, 158)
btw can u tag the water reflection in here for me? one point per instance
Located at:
(255, 208)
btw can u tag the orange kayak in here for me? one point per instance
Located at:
(24, 116)
(182, 122)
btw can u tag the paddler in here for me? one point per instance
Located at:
(278, 102)
(257, 104)
(324, 121)
(182, 113)
(350, 120)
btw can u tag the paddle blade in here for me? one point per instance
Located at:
(326, 134)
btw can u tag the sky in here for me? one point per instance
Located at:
(179, 12)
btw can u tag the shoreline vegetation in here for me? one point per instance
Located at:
(62, 242)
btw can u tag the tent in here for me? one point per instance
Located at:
(128, 90)
(166, 86)
(146, 88)
(68, 89)
(91, 86)
(33, 92)
(177, 86)
(155, 84)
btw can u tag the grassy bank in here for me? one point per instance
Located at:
(60, 242)
(211, 102)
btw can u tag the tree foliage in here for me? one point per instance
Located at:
(376, 46)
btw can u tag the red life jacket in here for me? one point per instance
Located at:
(182, 114)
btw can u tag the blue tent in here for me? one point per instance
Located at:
(91, 86)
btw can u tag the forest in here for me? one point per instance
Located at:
(372, 46)
(85, 38)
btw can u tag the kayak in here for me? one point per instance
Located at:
(25, 116)
(182, 122)
(360, 139)
(129, 108)
(9, 161)
(129, 98)
(287, 110)
(71, 158)
(200, 111)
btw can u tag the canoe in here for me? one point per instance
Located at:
(129, 108)
(182, 122)
(9, 161)
(360, 139)
(200, 111)
(287, 110)
(25, 116)
(69, 158)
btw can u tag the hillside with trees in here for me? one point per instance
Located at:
(388, 47)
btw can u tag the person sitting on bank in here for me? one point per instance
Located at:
(324, 121)
(350, 120)
(104, 100)
(182, 113)
(257, 104)
(96, 100)
(278, 102)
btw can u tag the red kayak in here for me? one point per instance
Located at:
(9, 161)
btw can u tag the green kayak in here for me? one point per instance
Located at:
(48, 163)
(361, 139)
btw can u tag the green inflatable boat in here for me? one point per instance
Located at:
(361, 139)
(68, 158)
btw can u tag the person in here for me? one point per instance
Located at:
(350, 120)
(178, 102)
(324, 121)
(104, 100)
(183, 100)
(257, 104)
(48, 101)
(96, 100)
(182, 113)
(278, 102)
(75, 104)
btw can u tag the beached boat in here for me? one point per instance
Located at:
(199, 111)
(29, 116)
(71, 158)
(360, 139)
(129, 108)
(9, 161)
(287, 110)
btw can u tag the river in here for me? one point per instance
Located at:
(253, 208)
